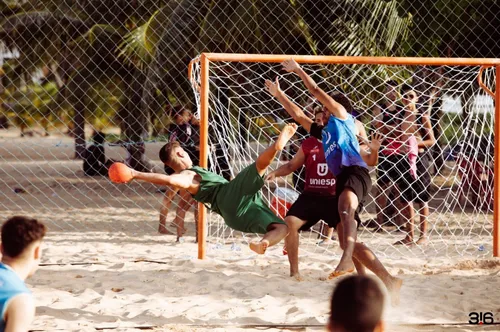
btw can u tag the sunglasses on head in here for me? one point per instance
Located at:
(409, 96)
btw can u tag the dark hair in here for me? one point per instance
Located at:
(18, 233)
(391, 83)
(357, 304)
(318, 110)
(406, 87)
(343, 100)
(179, 110)
(166, 151)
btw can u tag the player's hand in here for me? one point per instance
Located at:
(273, 87)
(374, 144)
(290, 65)
(271, 177)
(376, 141)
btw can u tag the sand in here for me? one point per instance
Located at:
(105, 267)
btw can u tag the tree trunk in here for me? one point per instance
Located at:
(79, 129)
(136, 123)
(78, 90)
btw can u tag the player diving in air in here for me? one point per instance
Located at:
(238, 201)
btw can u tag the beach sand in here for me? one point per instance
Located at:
(105, 267)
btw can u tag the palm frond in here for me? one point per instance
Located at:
(367, 28)
(138, 46)
(135, 49)
(96, 48)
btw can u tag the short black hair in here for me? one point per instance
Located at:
(179, 110)
(357, 304)
(341, 98)
(18, 233)
(165, 153)
(406, 87)
(318, 110)
(391, 83)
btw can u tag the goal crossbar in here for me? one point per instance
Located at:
(204, 62)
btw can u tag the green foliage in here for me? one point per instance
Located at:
(95, 45)
(459, 28)
(33, 104)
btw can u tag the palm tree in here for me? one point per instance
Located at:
(79, 41)
(148, 44)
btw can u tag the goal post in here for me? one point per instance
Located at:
(201, 85)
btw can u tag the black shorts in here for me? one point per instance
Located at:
(422, 184)
(313, 208)
(396, 169)
(357, 179)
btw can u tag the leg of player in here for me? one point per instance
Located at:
(424, 213)
(348, 203)
(381, 204)
(196, 215)
(184, 205)
(275, 233)
(364, 257)
(399, 204)
(328, 234)
(292, 244)
(266, 158)
(409, 214)
(360, 268)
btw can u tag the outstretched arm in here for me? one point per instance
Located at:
(295, 111)
(336, 109)
(288, 168)
(177, 181)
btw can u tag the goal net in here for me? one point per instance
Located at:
(244, 119)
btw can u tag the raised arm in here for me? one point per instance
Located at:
(377, 121)
(290, 167)
(336, 109)
(295, 111)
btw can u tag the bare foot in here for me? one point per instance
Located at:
(259, 247)
(406, 242)
(162, 229)
(325, 242)
(171, 229)
(285, 136)
(394, 288)
(422, 240)
(180, 230)
(296, 276)
(344, 267)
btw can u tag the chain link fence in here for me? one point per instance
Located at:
(86, 83)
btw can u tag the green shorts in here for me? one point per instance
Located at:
(241, 205)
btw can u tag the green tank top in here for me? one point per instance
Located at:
(210, 184)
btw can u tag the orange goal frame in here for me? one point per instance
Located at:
(206, 58)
